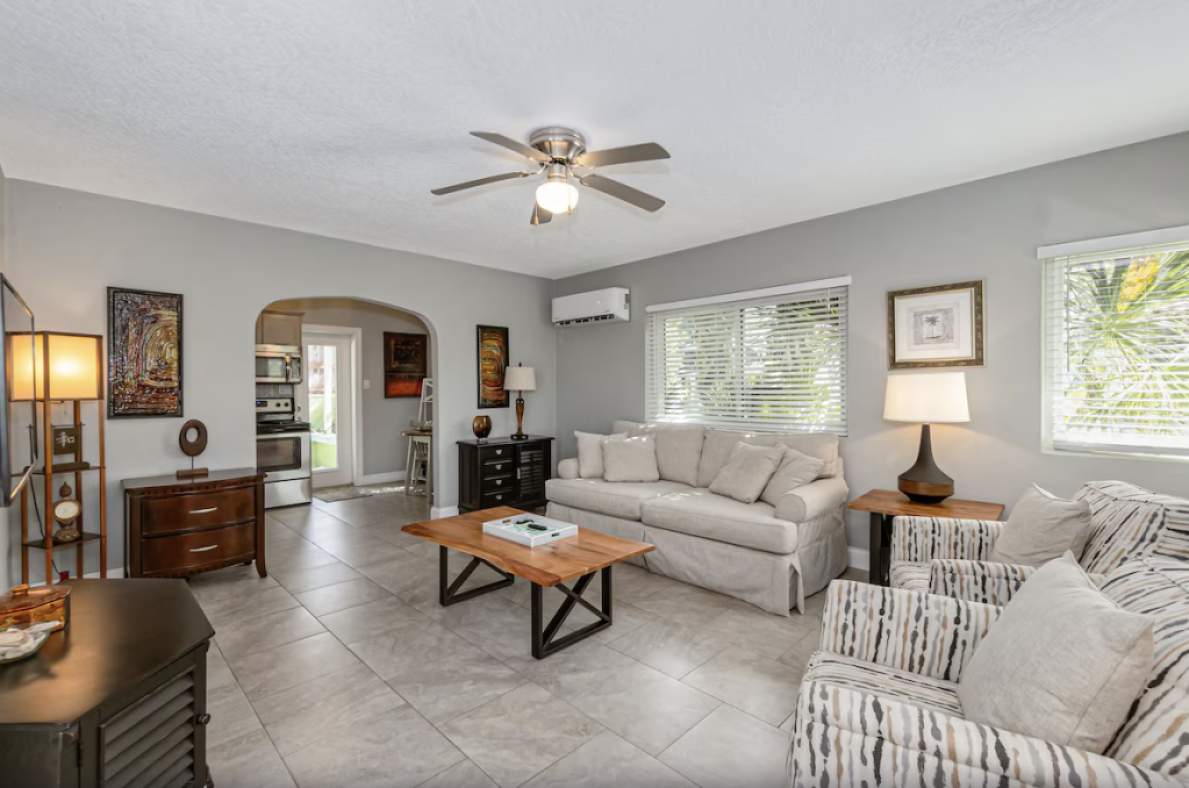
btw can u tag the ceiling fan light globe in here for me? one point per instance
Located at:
(557, 196)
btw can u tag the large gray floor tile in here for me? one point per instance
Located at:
(249, 761)
(371, 619)
(218, 673)
(764, 633)
(797, 657)
(572, 672)
(759, 686)
(687, 605)
(633, 583)
(226, 610)
(310, 712)
(673, 649)
(608, 760)
(263, 673)
(341, 596)
(729, 749)
(464, 774)
(499, 627)
(289, 561)
(392, 749)
(234, 581)
(257, 634)
(437, 672)
(520, 734)
(407, 576)
(231, 714)
(298, 580)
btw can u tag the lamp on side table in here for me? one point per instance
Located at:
(520, 379)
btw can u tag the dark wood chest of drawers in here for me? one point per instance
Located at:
(177, 527)
(503, 472)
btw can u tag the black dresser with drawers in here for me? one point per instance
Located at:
(503, 472)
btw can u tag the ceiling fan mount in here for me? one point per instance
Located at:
(557, 151)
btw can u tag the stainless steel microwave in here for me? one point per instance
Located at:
(278, 364)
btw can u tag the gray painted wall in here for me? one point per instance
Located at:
(984, 230)
(5, 542)
(383, 419)
(66, 247)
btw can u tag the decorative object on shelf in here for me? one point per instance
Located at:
(406, 364)
(192, 440)
(144, 365)
(939, 326)
(481, 426)
(66, 511)
(928, 398)
(17, 643)
(24, 606)
(520, 379)
(67, 368)
(493, 364)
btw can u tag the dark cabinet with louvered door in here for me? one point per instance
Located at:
(503, 472)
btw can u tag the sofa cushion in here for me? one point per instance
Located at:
(615, 499)
(796, 469)
(822, 445)
(1126, 522)
(717, 445)
(747, 472)
(1042, 527)
(678, 451)
(699, 512)
(630, 460)
(923, 691)
(590, 453)
(1063, 663)
(1157, 727)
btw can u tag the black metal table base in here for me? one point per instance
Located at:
(544, 636)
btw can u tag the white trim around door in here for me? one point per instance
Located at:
(355, 336)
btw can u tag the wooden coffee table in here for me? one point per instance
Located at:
(552, 565)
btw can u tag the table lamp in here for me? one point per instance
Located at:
(520, 379)
(926, 398)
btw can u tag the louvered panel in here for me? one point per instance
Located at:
(532, 474)
(151, 744)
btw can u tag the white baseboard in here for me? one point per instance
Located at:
(858, 558)
(380, 478)
(438, 512)
(115, 572)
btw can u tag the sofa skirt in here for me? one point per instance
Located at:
(772, 582)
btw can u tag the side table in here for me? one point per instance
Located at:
(887, 504)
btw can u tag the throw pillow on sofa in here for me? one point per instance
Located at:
(1042, 527)
(747, 472)
(630, 460)
(795, 470)
(1063, 663)
(590, 453)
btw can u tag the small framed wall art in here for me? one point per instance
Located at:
(405, 364)
(939, 326)
(493, 364)
(144, 353)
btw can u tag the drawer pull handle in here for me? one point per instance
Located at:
(205, 511)
(498, 482)
(498, 452)
(499, 497)
(203, 549)
(499, 467)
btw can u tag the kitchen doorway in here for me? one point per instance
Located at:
(331, 360)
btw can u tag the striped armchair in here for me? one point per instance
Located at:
(950, 556)
(879, 702)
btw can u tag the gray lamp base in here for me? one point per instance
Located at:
(924, 482)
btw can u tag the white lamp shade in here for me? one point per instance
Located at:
(927, 398)
(74, 367)
(520, 379)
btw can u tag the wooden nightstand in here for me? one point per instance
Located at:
(886, 504)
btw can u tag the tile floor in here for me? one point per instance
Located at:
(340, 669)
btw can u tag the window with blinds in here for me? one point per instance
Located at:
(1117, 350)
(773, 361)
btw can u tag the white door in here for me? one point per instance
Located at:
(328, 381)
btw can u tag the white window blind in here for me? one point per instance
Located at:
(777, 362)
(1116, 350)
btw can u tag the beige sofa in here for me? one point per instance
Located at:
(770, 556)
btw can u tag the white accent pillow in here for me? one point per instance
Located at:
(795, 470)
(1063, 662)
(590, 453)
(630, 460)
(747, 471)
(1042, 527)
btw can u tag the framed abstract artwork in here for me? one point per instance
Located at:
(939, 326)
(493, 363)
(406, 364)
(144, 353)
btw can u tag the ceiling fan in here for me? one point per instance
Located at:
(562, 154)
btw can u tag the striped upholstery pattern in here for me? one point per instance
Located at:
(928, 693)
(845, 737)
(918, 540)
(1156, 734)
(977, 581)
(926, 634)
(1127, 520)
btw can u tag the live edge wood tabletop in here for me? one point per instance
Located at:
(178, 527)
(885, 505)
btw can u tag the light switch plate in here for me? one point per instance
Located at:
(367, 384)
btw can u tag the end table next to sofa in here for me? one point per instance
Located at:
(885, 505)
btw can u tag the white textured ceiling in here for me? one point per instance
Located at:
(338, 116)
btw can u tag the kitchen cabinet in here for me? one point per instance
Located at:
(278, 328)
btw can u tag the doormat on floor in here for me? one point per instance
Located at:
(349, 492)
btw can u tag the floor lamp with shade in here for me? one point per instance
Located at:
(926, 398)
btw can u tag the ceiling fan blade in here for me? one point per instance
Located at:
(540, 216)
(648, 151)
(623, 192)
(481, 182)
(511, 144)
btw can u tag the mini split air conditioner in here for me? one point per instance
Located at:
(612, 304)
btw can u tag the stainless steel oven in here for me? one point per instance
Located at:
(278, 364)
(283, 453)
